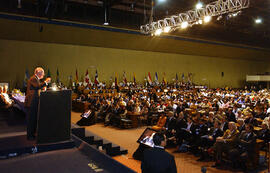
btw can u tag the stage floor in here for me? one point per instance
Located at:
(67, 161)
(126, 138)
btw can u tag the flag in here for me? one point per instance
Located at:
(176, 77)
(115, 80)
(49, 73)
(149, 78)
(183, 77)
(134, 78)
(70, 81)
(26, 77)
(164, 81)
(189, 77)
(57, 76)
(77, 77)
(156, 78)
(96, 78)
(86, 78)
(124, 78)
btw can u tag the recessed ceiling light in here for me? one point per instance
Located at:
(158, 32)
(207, 19)
(167, 29)
(258, 20)
(199, 5)
(184, 25)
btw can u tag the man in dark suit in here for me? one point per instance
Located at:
(34, 86)
(156, 159)
(245, 147)
(208, 140)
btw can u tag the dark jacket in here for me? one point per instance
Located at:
(264, 135)
(157, 160)
(33, 88)
(247, 143)
(215, 133)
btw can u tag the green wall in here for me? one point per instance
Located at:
(23, 46)
(20, 55)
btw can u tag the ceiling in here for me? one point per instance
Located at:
(133, 13)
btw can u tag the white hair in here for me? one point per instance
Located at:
(39, 70)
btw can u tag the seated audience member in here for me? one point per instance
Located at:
(170, 127)
(250, 119)
(239, 114)
(264, 134)
(5, 100)
(200, 130)
(245, 148)
(230, 115)
(208, 141)
(156, 159)
(225, 143)
(267, 120)
(241, 124)
(144, 115)
(161, 122)
(258, 113)
(224, 123)
(137, 109)
(180, 125)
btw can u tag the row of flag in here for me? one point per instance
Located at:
(87, 80)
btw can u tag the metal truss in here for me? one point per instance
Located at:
(216, 8)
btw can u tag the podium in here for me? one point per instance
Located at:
(54, 116)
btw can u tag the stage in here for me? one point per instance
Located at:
(74, 155)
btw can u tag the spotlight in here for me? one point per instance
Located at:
(161, 1)
(184, 25)
(199, 5)
(234, 14)
(158, 32)
(106, 23)
(207, 19)
(167, 29)
(219, 18)
(200, 21)
(258, 20)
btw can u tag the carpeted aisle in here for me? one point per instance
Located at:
(126, 138)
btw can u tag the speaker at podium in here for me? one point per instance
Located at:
(54, 116)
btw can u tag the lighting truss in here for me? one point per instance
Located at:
(216, 8)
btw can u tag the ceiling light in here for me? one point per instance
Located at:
(207, 19)
(161, 1)
(219, 18)
(199, 5)
(258, 20)
(158, 32)
(184, 25)
(167, 29)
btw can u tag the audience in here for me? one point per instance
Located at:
(207, 121)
